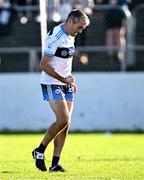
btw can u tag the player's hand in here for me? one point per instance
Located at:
(69, 80)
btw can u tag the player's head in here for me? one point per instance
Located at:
(78, 21)
(76, 15)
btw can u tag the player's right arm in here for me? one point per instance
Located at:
(51, 44)
(47, 68)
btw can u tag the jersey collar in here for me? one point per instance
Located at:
(62, 27)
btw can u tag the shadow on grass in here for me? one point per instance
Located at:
(113, 159)
(42, 131)
(8, 172)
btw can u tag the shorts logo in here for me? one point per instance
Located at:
(71, 89)
(57, 91)
(64, 53)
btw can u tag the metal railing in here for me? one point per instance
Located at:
(32, 54)
(130, 48)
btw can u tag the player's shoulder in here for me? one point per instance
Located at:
(57, 32)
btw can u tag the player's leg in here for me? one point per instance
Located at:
(59, 142)
(62, 120)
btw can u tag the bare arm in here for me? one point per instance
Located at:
(47, 68)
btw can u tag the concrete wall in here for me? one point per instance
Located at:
(105, 101)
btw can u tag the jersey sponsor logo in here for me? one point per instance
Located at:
(71, 51)
(64, 53)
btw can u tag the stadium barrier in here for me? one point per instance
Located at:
(104, 102)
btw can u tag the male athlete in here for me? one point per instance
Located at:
(58, 85)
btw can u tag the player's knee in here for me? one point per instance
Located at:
(61, 125)
(67, 128)
(64, 122)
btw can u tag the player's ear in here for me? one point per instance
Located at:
(70, 21)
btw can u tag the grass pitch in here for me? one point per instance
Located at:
(85, 157)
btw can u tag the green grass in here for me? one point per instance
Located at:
(85, 157)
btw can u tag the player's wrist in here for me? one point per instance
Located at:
(69, 80)
(62, 79)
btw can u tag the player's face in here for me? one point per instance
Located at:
(78, 27)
